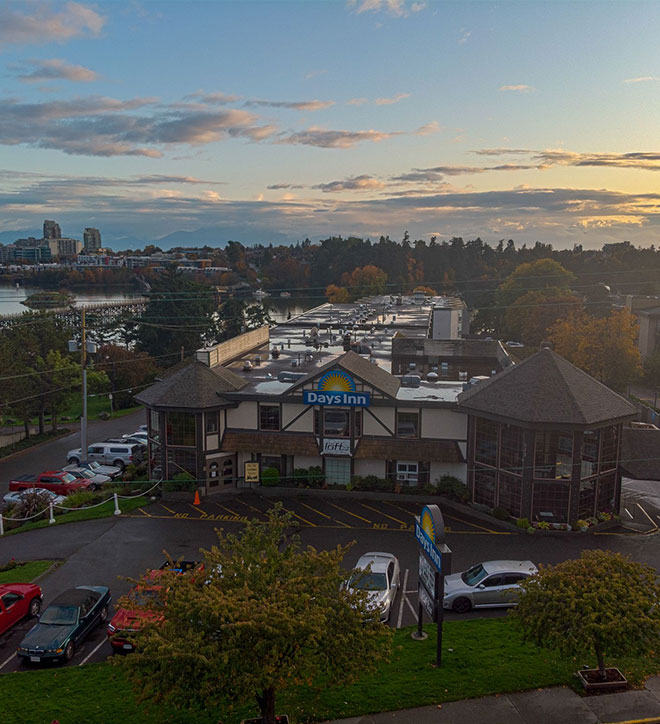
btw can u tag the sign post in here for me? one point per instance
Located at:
(434, 565)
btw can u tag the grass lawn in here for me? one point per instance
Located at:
(101, 511)
(95, 406)
(26, 572)
(481, 657)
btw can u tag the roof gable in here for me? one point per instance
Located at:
(546, 389)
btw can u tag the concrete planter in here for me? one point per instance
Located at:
(591, 681)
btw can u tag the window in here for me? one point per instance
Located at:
(337, 471)
(271, 461)
(407, 424)
(181, 429)
(211, 422)
(484, 487)
(511, 579)
(213, 473)
(491, 581)
(606, 491)
(486, 442)
(406, 471)
(269, 417)
(590, 445)
(510, 492)
(121, 450)
(587, 498)
(553, 455)
(550, 501)
(9, 599)
(511, 446)
(609, 448)
(390, 573)
(154, 421)
(181, 461)
(336, 423)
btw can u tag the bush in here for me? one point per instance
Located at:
(311, 477)
(522, 523)
(453, 488)
(372, 483)
(30, 504)
(137, 471)
(270, 477)
(501, 514)
(9, 566)
(181, 482)
(81, 500)
(104, 415)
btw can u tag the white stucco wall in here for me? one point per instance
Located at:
(458, 470)
(304, 424)
(369, 467)
(244, 416)
(371, 426)
(443, 424)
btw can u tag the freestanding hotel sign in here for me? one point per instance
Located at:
(336, 388)
(434, 565)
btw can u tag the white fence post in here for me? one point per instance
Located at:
(2, 525)
(51, 518)
(117, 511)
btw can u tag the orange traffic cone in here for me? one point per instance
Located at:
(196, 500)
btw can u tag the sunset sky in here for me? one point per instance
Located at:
(273, 121)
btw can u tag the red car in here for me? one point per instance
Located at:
(57, 481)
(18, 600)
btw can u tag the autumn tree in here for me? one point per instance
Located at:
(266, 615)
(337, 295)
(602, 603)
(426, 290)
(530, 317)
(605, 348)
(365, 281)
(545, 275)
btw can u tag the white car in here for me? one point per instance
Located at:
(18, 495)
(380, 575)
(138, 436)
(95, 480)
(110, 470)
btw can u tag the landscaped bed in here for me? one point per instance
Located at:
(23, 572)
(480, 657)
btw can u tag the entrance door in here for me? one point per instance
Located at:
(337, 470)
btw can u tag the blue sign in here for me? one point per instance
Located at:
(336, 387)
(433, 553)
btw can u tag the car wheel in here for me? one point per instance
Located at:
(35, 607)
(69, 651)
(75, 461)
(461, 605)
(119, 464)
(103, 616)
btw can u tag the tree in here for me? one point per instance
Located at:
(605, 348)
(365, 281)
(128, 370)
(601, 602)
(542, 274)
(426, 290)
(337, 295)
(265, 615)
(530, 317)
(652, 369)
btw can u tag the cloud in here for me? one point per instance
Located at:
(643, 160)
(314, 73)
(277, 187)
(100, 126)
(464, 36)
(437, 173)
(54, 69)
(428, 128)
(502, 151)
(357, 101)
(642, 79)
(358, 183)
(398, 8)
(295, 105)
(324, 138)
(213, 99)
(46, 24)
(391, 101)
(521, 88)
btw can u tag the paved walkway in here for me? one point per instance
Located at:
(545, 706)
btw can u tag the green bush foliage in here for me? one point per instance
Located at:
(181, 482)
(270, 477)
(453, 488)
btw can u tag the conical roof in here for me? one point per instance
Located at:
(546, 389)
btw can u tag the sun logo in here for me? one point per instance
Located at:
(336, 381)
(427, 524)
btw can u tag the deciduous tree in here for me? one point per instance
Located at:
(602, 603)
(365, 281)
(337, 295)
(542, 274)
(530, 317)
(265, 615)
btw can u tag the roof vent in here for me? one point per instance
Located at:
(411, 381)
(432, 377)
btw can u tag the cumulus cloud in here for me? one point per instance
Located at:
(44, 23)
(35, 70)
(642, 79)
(294, 105)
(213, 99)
(357, 183)
(325, 138)
(398, 8)
(428, 128)
(521, 88)
(437, 173)
(391, 101)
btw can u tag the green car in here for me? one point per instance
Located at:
(64, 624)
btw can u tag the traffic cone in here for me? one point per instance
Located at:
(196, 500)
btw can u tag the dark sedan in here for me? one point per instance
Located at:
(65, 623)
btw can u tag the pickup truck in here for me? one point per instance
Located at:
(57, 481)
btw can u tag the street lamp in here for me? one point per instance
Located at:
(86, 347)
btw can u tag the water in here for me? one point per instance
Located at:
(12, 296)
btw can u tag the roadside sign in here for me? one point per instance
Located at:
(426, 575)
(428, 604)
(251, 472)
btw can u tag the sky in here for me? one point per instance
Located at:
(276, 121)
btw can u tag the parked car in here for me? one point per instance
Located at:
(143, 428)
(118, 454)
(138, 436)
(96, 480)
(379, 574)
(486, 585)
(57, 481)
(110, 470)
(18, 495)
(65, 623)
(18, 600)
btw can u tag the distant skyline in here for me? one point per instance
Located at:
(276, 121)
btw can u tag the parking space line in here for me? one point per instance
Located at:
(355, 515)
(629, 513)
(399, 507)
(403, 595)
(229, 510)
(410, 606)
(251, 507)
(653, 523)
(387, 515)
(329, 517)
(199, 510)
(474, 525)
(145, 512)
(304, 520)
(315, 510)
(168, 509)
(6, 661)
(93, 651)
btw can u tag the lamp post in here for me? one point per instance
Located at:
(85, 348)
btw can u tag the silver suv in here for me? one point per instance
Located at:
(109, 453)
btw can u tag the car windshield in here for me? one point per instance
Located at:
(365, 581)
(68, 478)
(93, 466)
(84, 473)
(474, 575)
(59, 615)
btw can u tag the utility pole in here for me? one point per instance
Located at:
(83, 421)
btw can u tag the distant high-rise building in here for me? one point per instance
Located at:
(52, 230)
(92, 239)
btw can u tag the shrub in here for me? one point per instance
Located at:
(501, 514)
(522, 523)
(81, 500)
(543, 525)
(137, 471)
(181, 482)
(104, 415)
(29, 504)
(582, 524)
(270, 477)
(372, 483)
(311, 477)
(453, 488)
(9, 566)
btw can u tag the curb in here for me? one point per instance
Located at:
(48, 571)
(18, 453)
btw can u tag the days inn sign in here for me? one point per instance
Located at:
(336, 387)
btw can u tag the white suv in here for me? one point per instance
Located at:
(109, 453)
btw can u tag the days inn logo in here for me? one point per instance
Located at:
(336, 387)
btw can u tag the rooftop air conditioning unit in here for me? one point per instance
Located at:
(411, 381)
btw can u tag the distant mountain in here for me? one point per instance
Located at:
(9, 237)
(220, 235)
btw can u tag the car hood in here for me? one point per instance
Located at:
(454, 582)
(375, 599)
(47, 636)
(132, 619)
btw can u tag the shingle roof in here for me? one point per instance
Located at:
(546, 389)
(443, 451)
(360, 367)
(193, 386)
(640, 453)
(270, 443)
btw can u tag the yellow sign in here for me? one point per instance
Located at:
(251, 472)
